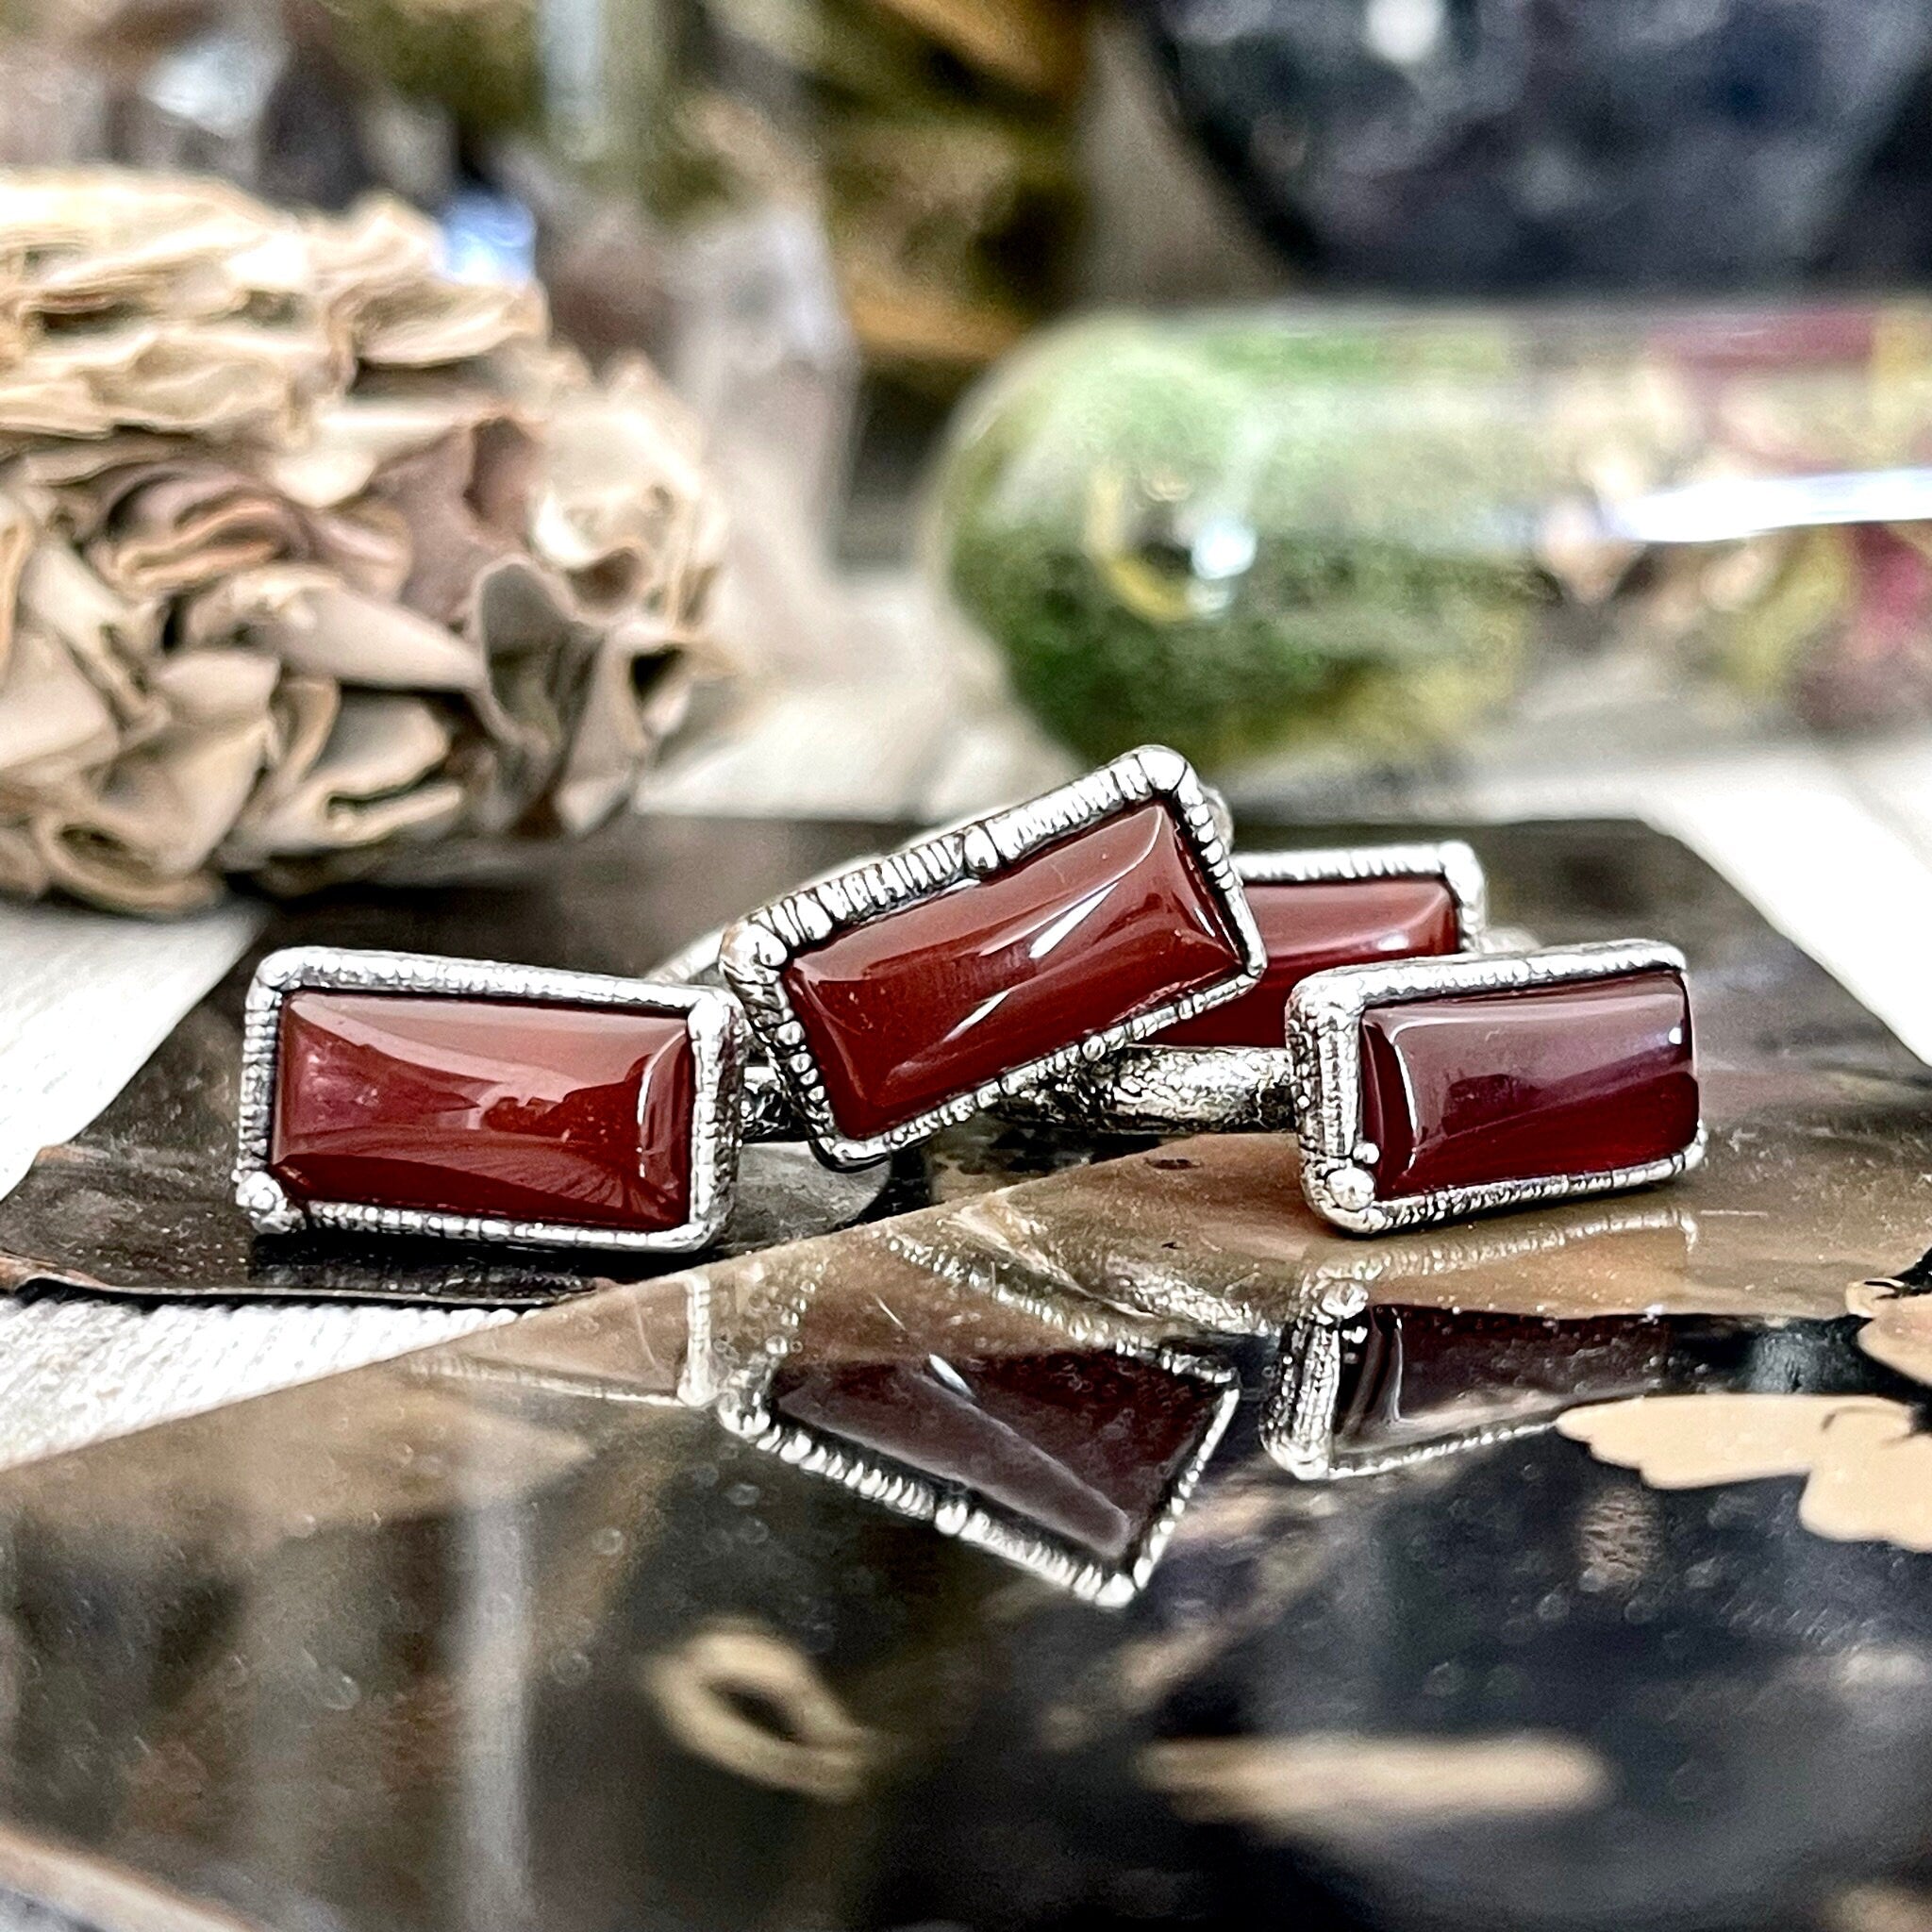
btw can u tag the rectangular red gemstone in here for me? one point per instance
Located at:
(908, 1010)
(1308, 926)
(1518, 1085)
(576, 1115)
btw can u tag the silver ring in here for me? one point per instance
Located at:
(1182, 1090)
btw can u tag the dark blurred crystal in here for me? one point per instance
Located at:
(1535, 144)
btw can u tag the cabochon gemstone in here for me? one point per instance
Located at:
(1516, 1085)
(570, 1114)
(1308, 928)
(908, 1010)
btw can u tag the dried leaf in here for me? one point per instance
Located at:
(375, 778)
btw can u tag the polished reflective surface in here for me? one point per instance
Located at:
(496, 1107)
(1510, 1086)
(908, 1010)
(540, 1629)
(1308, 928)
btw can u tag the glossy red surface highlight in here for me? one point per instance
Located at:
(1309, 928)
(1086, 1447)
(911, 1008)
(571, 1114)
(1518, 1085)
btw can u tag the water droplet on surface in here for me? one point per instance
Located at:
(337, 1689)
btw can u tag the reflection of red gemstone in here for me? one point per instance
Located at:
(1309, 928)
(910, 1009)
(1431, 1375)
(1083, 1446)
(1511, 1086)
(500, 1108)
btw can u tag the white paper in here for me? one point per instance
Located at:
(1828, 848)
(85, 998)
(77, 1368)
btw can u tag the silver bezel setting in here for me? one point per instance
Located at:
(744, 1409)
(757, 949)
(1452, 861)
(1324, 1040)
(719, 1040)
(1178, 1090)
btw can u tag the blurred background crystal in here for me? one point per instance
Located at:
(1485, 146)
(1324, 541)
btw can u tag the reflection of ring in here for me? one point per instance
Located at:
(1360, 1390)
(948, 1407)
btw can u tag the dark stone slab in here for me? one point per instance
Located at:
(557, 1627)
